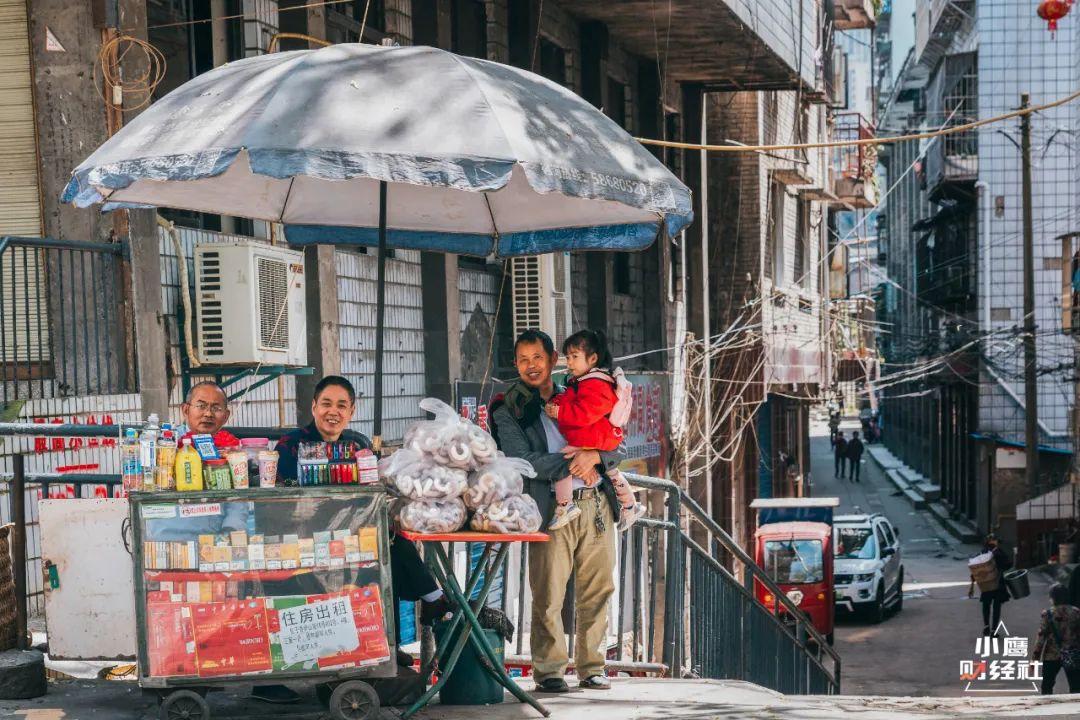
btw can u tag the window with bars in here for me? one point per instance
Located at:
(774, 242)
(802, 243)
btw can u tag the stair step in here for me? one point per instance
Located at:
(912, 477)
(959, 529)
(885, 459)
(895, 479)
(917, 500)
(929, 491)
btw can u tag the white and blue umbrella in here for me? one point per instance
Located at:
(405, 147)
(480, 158)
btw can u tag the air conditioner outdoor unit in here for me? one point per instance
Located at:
(249, 304)
(541, 286)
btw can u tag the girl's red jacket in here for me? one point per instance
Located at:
(583, 412)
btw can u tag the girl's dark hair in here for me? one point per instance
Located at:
(1059, 594)
(590, 342)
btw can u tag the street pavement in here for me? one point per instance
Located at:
(916, 652)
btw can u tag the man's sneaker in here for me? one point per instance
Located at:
(552, 685)
(564, 514)
(629, 515)
(595, 682)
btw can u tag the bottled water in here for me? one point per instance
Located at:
(148, 444)
(131, 461)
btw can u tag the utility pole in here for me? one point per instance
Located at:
(1031, 390)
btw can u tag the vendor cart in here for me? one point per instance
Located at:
(260, 586)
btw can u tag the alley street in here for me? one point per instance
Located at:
(917, 651)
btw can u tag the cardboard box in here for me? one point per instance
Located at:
(369, 544)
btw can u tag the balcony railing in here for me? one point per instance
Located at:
(854, 165)
(855, 14)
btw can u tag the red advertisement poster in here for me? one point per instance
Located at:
(231, 638)
(170, 642)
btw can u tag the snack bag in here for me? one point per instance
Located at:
(433, 516)
(450, 439)
(499, 479)
(411, 475)
(515, 514)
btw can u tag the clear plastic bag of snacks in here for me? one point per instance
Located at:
(450, 439)
(411, 475)
(515, 514)
(433, 516)
(499, 479)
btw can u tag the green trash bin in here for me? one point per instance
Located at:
(470, 683)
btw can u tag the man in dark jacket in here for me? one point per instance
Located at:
(854, 456)
(585, 547)
(839, 448)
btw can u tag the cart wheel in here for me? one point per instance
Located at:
(323, 692)
(354, 700)
(184, 705)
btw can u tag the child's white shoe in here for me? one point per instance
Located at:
(630, 515)
(564, 514)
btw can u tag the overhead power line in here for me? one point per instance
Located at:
(865, 141)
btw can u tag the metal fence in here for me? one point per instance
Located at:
(64, 320)
(679, 610)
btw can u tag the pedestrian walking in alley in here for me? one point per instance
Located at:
(834, 425)
(993, 598)
(854, 455)
(584, 547)
(839, 447)
(1058, 641)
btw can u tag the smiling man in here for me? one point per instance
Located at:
(585, 547)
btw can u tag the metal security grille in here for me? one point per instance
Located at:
(525, 274)
(211, 336)
(273, 289)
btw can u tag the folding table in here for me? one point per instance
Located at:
(441, 565)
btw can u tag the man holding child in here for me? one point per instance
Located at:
(584, 546)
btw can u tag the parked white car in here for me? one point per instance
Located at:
(868, 565)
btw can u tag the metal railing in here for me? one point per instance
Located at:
(682, 611)
(64, 324)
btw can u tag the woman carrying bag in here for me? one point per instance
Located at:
(1058, 641)
(992, 600)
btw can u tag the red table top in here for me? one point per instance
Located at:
(466, 536)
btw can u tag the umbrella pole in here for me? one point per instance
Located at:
(380, 317)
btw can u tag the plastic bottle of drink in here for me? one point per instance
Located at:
(189, 475)
(130, 461)
(148, 442)
(166, 461)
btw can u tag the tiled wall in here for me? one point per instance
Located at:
(403, 342)
(1017, 54)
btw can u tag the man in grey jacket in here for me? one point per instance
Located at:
(585, 547)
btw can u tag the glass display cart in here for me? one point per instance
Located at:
(263, 585)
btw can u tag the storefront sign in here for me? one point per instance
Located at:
(200, 510)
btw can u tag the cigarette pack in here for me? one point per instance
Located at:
(369, 544)
(337, 549)
(217, 590)
(352, 549)
(341, 534)
(170, 640)
(322, 555)
(255, 552)
(192, 591)
(256, 539)
(231, 638)
(322, 536)
(206, 591)
(290, 539)
(239, 560)
(238, 538)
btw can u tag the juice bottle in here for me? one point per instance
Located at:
(164, 479)
(148, 442)
(130, 465)
(189, 472)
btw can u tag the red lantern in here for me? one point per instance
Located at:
(1053, 10)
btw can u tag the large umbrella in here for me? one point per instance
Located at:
(407, 147)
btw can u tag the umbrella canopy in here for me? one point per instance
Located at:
(479, 157)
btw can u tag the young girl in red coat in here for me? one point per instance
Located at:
(591, 413)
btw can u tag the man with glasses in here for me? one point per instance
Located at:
(206, 410)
